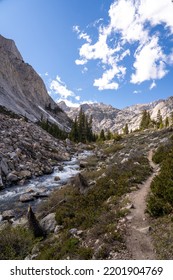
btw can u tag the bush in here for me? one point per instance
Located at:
(15, 243)
(160, 201)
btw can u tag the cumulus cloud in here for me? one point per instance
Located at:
(149, 62)
(128, 33)
(60, 88)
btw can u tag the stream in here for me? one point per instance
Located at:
(44, 185)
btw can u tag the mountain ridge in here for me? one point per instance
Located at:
(109, 118)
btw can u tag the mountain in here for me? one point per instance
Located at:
(113, 119)
(22, 89)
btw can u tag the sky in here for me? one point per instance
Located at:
(119, 52)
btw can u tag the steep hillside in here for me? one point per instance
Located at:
(23, 91)
(108, 118)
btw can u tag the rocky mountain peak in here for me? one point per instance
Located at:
(10, 46)
(23, 91)
(109, 118)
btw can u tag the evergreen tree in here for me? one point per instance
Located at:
(145, 121)
(159, 120)
(102, 135)
(82, 129)
(126, 129)
(171, 119)
(109, 135)
(166, 122)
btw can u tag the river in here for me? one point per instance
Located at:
(44, 185)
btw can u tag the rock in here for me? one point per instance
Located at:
(39, 195)
(20, 222)
(57, 229)
(73, 231)
(1, 218)
(8, 214)
(11, 177)
(49, 223)
(1, 182)
(92, 183)
(80, 183)
(4, 166)
(48, 170)
(61, 168)
(34, 224)
(25, 174)
(145, 230)
(26, 197)
(57, 178)
(83, 164)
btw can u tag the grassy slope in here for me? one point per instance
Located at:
(115, 169)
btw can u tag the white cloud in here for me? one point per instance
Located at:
(84, 70)
(105, 82)
(60, 88)
(137, 91)
(153, 85)
(46, 74)
(77, 97)
(76, 29)
(85, 37)
(130, 22)
(157, 12)
(149, 62)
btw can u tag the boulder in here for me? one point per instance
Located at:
(61, 168)
(48, 169)
(80, 183)
(83, 164)
(1, 182)
(49, 223)
(11, 177)
(25, 174)
(26, 197)
(8, 214)
(57, 178)
(4, 166)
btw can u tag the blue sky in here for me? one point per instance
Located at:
(116, 52)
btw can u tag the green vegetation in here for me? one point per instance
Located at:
(11, 114)
(92, 213)
(145, 120)
(160, 201)
(126, 129)
(53, 129)
(82, 129)
(15, 243)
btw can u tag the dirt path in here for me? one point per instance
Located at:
(138, 239)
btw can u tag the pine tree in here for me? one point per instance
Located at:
(159, 120)
(145, 121)
(166, 122)
(126, 129)
(102, 135)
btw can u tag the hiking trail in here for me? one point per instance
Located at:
(138, 239)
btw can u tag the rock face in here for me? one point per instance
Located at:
(23, 91)
(26, 151)
(108, 118)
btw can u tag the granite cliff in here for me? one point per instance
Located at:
(22, 89)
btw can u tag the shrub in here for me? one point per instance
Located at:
(15, 243)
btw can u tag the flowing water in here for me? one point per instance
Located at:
(10, 197)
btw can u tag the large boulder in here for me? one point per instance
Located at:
(80, 183)
(48, 223)
(8, 214)
(26, 197)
